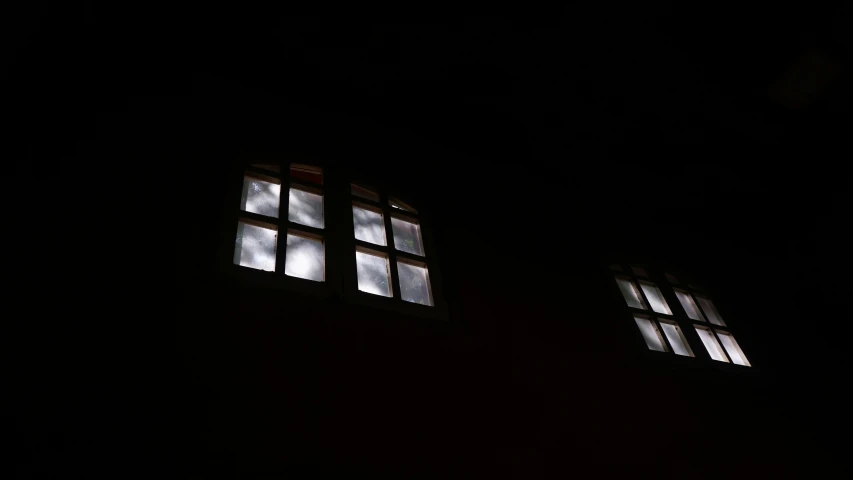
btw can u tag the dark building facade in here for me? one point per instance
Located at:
(535, 165)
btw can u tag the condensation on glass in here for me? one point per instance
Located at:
(711, 344)
(414, 283)
(650, 334)
(368, 225)
(305, 208)
(260, 196)
(306, 173)
(364, 192)
(255, 247)
(655, 298)
(630, 292)
(372, 272)
(305, 258)
(676, 339)
(710, 311)
(733, 349)
(407, 236)
(689, 305)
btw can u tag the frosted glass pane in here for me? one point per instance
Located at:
(305, 208)
(733, 349)
(650, 334)
(372, 272)
(255, 247)
(305, 258)
(368, 225)
(655, 298)
(414, 284)
(629, 291)
(710, 311)
(712, 345)
(407, 236)
(260, 197)
(689, 305)
(676, 339)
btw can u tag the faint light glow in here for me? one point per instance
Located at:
(689, 305)
(372, 273)
(676, 339)
(655, 298)
(305, 258)
(650, 334)
(255, 247)
(733, 349)
(711, 344)
(629, 291)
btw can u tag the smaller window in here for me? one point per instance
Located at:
(651, 334)
(306, 173)
(655, 298)
(676, 338)
(268, 166)
(407, 236)
(631, 293)
(733, 349)
(399, 205)
(364, 192)
(710, 310)
(255, 245)
(372, 273)
(305, 257)
(305, 207)
(711, 344)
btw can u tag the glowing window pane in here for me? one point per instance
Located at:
(710, 311)
(260, 197)
(255, 247)
(655, 298)
(305, 208)
(712, 345)
(372, 273)
(407, 236)
(650, 334)
(676, 339)
(630, 292)
(414, 284)
(689, 305)
(368, 225)
(733, 349)
(305, 258)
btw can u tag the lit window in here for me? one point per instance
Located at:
(303, 253)
(392, 265)
(660, 332)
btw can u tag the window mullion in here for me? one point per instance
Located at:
(389, 239)
(283, 223)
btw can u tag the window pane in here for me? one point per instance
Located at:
(306, 174)
(655, 298)
(362, 192)
(650, 334)
(305, 258)
(407, 236)
(414, 284)
(710, 311)
(372, 274)
(629, 291)
(689, 305)
(711, 345)
(305, 208)
(368, 225)
(676, 339)
(255, 247)
(733, 349)
(260, 197)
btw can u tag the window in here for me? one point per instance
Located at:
(392, 265)
(720, 344)
(261, 226)
(651, 311)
